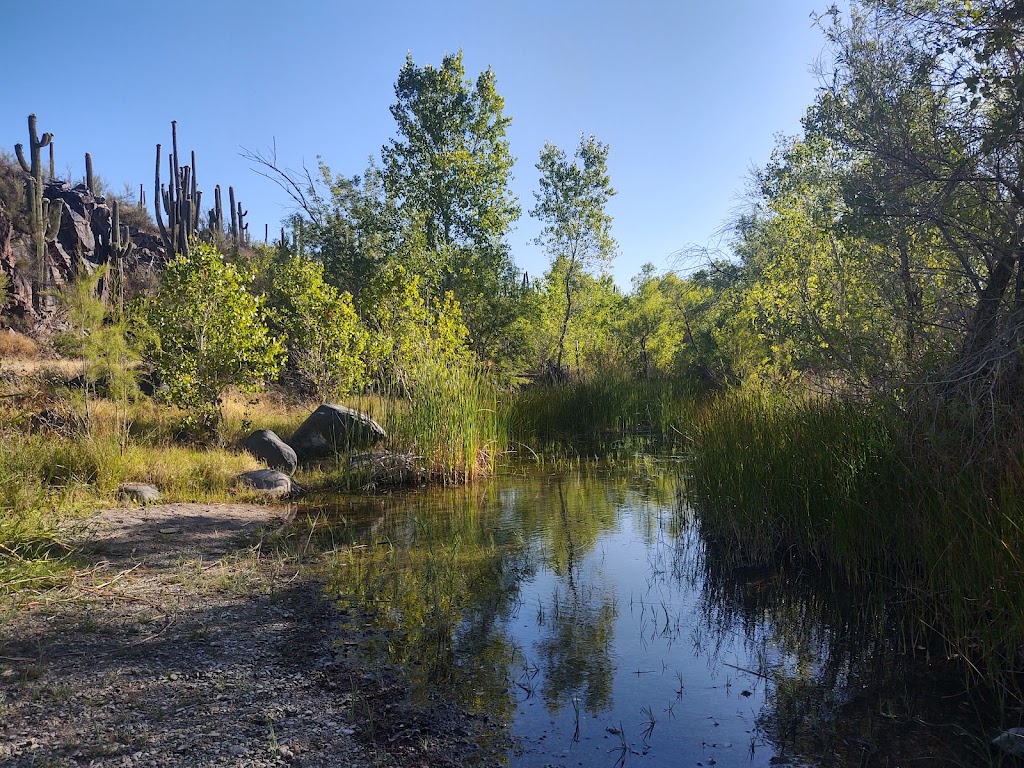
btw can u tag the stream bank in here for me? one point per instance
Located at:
(186, 639)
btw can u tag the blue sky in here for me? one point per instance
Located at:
(689, 95)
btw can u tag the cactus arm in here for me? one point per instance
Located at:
(158, 195)
(52, 214)
(21, 158)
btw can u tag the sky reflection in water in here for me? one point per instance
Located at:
(583, 609)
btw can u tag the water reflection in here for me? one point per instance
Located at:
(584, 610)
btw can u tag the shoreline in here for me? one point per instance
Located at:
(182, 640)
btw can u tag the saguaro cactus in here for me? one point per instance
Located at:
(243, 228)
(121, 247)
(181, 199)
(44, 218)
(216, 216)
(88, 174)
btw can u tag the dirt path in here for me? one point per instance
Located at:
(182, 643)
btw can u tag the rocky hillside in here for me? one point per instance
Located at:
(79, 247)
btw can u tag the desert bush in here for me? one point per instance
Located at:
(208, 333)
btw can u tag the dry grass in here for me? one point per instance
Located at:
(17, 346)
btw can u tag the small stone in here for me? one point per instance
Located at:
(139, 493)
(1011, 742)
(168, 531)
(271, 481)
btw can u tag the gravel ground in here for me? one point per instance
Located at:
(180, 644)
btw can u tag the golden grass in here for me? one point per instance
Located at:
(14, 345)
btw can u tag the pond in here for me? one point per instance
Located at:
(582, 609)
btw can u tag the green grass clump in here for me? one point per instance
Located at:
(821, 478)
(873, 496)
(601, 407)
(452, 421)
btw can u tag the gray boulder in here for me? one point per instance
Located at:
(139, 493)
(271, 450)
(270, 481)
(1011, 742)
(334, 428)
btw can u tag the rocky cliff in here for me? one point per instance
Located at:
(80, 247)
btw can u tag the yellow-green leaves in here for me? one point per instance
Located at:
(210, 333)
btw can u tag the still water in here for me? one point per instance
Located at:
(582, 609)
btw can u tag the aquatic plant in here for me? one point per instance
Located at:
(853, 491)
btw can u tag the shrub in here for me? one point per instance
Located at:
(209, 333)
(320, 328)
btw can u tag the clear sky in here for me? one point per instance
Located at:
(689, 95)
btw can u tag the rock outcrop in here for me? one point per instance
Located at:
(77, 249)
(332, 429)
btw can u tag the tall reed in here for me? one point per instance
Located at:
(607, 405)
(451, 420)
(843, 488)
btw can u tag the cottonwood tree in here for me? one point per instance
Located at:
(448, 172)
(571, 204)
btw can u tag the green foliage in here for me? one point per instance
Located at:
(577, 229)
(448, 174)
(322, 334)
(209, 333)
(409, 337)
(601, 409)
(850, 489)
(100, 340)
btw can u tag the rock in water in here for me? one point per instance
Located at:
(334, 428)
(271, 449)
(140, 493)
(270, 481)
(1011, 742)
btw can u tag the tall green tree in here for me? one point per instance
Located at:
(927, 98)
(448, 172)
(571, 204)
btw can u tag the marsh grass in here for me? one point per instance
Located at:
(857, 492)
(454, 421)
(601, 409)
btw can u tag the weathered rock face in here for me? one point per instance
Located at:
(265, 445)
(18, 300)
(333, 428)
(84, 226)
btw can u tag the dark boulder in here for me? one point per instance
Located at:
(271, 450)
(332, 429)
